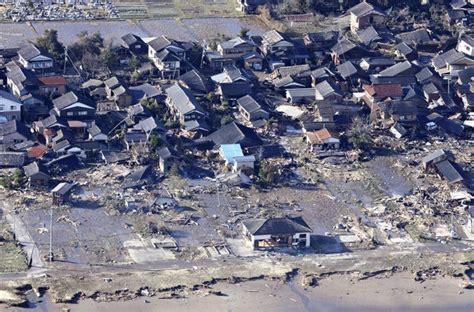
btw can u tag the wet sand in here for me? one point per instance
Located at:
(397, 293)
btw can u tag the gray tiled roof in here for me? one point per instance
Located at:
(277, 226)
(183, 100)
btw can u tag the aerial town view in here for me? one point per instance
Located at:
(237, 155)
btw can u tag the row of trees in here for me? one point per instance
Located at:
(89, 52)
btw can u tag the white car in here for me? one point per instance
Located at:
(430, 126)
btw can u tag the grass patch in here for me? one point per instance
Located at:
(12, 257)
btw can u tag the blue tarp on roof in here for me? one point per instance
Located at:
(229, 151)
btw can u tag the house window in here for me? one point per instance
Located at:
(82, 113)
(70, 113)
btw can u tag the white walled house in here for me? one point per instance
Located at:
(10, 107)
(466, 44)
(277, 233)
(31, 57)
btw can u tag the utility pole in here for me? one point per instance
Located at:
(65, 60)
(14, 224)
(50, 254)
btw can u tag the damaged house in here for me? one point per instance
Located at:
(277, 233)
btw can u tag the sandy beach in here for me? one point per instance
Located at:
(339, 293)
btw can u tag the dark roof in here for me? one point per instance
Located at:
(323, 36)
(70, 98)
(130, 39)
(344, 45)
(379, 61)
(400, 69)
(249, 104)
(12, 159)
(368, 35)
(115, 157)
(108, 121)
(363, 8)
(273, 36)
(458, 4)
(468, 38)
(195, 81)
(137, 177)
(448, 171)
(415, 36)
(267, 151)
(234, 133)
(466, 76)
(326, 88)
(451, 126)
(196, 125)
(424, 75)
(112, 83)
(456, 14)
(29, 51)
(347, 69)
(183, 100)
(403, 48)
(14, 126)
(434, 155)
(34, 168)
(235, 89)
(321, 73)
(63, 188)
(164, 42)
(53, 120)
(144, 91)
(277, 226)
(234, 42)
(167, 56)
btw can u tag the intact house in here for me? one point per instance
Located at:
(466, 44)
(277, 233)
(168, 55)
(13, 132)
(37, 175)
(233, 133)
(231, 51)
(328, 92)
(322, 139)
(52, 85)
(250, 109)
(183, 105)
(134, 44)
(235, 159)
(32, 57)
(10, 107)
(364, 15)
(72, 106)
(281, 51)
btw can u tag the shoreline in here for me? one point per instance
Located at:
(399, 292)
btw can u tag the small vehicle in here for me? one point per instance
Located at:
(431, 126)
